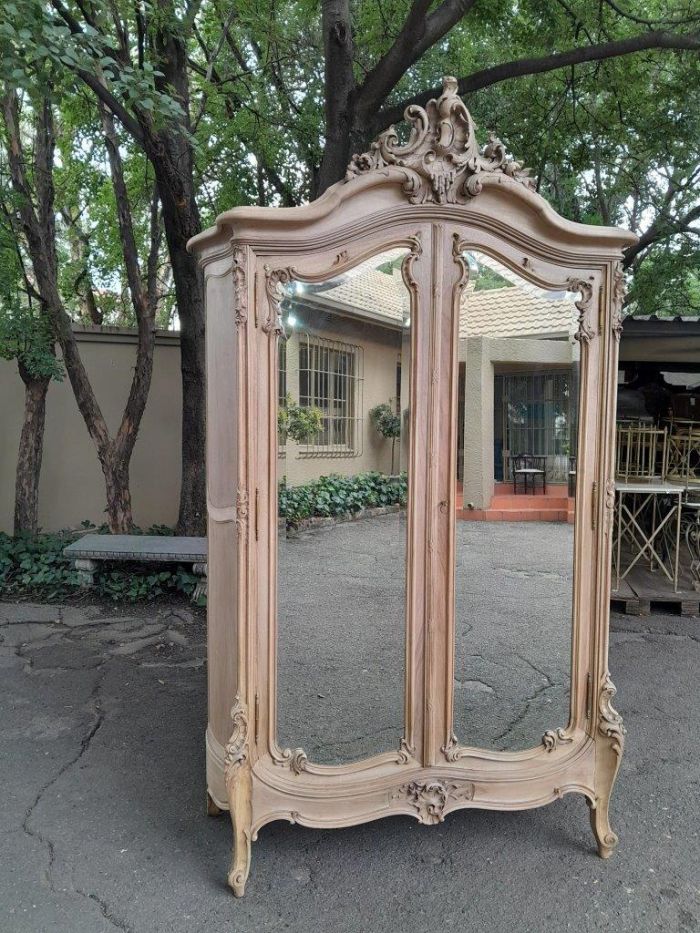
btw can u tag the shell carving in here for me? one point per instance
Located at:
(441, 161)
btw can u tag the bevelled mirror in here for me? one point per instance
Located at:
(344, 367)
(410, 424)
(516, 485)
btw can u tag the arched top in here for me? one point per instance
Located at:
(440, 168)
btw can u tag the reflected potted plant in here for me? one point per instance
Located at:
(388, 423)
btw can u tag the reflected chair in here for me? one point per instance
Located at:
(529, 467)
(572, 477)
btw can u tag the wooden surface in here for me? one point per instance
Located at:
(642, 589)
(445, 199)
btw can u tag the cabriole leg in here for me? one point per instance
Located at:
(239, 788)
(241, 819)
(610, 742)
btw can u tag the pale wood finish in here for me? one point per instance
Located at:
(435, 208)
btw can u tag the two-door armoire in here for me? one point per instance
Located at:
(424, 335)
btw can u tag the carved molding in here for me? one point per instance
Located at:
(430, 798)
(405, 753)
(464, 270)
(236, 750)
(555, 737)
(274, 279)
(451, 749)
(416, 250)
(441, 161)
(586, 331)
(609, 720)
(296, 760)
(609, 507)
(618, 297)
(242, 512)
(240, 285)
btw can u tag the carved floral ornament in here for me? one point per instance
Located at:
(441, 161)
(430, 798)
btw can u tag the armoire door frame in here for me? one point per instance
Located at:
(434, 208)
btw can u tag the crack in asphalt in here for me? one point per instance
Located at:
(33, 833)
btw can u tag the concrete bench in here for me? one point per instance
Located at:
(88, 550)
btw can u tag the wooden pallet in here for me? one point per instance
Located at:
(642, 590)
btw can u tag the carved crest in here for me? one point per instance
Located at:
(431, 797)
(441, 161)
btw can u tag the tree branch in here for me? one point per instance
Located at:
(419, 32)
(531, 66)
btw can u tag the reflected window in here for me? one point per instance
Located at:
(330, 379)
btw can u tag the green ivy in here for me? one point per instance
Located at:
(339, 495)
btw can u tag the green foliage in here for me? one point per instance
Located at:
(301, 424)
(35, 566)
(339, 495)
(386, 420)
(25, 334)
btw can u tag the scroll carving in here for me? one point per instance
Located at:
(405, 752)
(555, 737)
(274, 279)
(416, 250)
(618, 298)
(585, 332)
(240, 285)
(295, 760)
(609, 507)
(451, 749)
(236, 751)
(458, 256)
(430, 798)
(609, 720)
(441, 161)
(242, 512)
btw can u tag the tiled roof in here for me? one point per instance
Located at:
(512, 312)
(519, 310)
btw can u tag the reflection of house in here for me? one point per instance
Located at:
(516, 388)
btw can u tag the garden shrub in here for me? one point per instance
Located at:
(35, 566)
(339, 495)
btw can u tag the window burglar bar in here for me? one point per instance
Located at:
(330, 379)
(539, 418)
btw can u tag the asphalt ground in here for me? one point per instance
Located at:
(102, 823)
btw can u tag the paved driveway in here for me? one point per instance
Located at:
(102, 822)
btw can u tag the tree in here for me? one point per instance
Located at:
(25, 337)
(34, 221)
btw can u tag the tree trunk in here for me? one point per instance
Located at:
(119, 516)
(31, 445)
(181, 221)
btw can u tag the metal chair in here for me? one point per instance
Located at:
(529, 466)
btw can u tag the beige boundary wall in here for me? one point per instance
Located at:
(71, 486)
